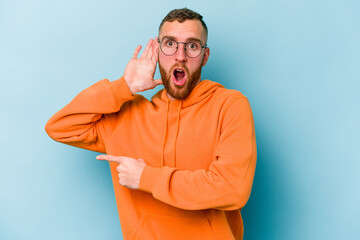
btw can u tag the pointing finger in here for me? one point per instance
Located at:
(109, 158)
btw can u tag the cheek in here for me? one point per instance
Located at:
(164, 61)
(194, 65)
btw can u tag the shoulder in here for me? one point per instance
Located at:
(230, 104)
(230, 97)
(235, 110)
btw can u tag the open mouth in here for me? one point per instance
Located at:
(179, 76)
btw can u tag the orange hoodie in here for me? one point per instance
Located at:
(200, 152)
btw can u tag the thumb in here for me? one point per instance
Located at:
(158, 81)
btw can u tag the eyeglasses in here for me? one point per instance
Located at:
(192, 49)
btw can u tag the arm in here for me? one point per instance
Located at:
(226, 184)
(80, 123)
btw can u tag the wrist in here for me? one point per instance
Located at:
(121, 90)
(148, 177)
(130, 85)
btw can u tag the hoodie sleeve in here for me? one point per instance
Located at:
(226, 184)
(81, 122)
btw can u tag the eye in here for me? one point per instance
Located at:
(192, 46)
(169, 43)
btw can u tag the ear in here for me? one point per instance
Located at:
(206, 56)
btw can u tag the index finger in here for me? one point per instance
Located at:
(109, 158)
(136, 52)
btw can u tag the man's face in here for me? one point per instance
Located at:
(180, 73)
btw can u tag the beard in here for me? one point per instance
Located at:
(175, 91)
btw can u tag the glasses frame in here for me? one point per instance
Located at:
(177, 47)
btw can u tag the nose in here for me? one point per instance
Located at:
(180, 54)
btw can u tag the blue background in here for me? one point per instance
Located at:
(298, 62)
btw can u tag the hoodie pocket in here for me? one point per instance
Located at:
(160, 227)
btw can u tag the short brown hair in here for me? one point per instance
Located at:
(183, 14)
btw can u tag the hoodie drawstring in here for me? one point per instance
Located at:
(164, 135)
(201, 91)
(177, 133)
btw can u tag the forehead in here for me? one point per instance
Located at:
(189, 29)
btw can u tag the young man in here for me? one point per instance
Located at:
(183, 163)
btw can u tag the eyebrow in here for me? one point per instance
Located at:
(187, 40)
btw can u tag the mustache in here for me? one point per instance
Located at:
(179, 65)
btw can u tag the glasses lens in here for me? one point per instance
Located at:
(193, 49)
(168, 46)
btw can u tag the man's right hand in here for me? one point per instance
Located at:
(139, 73)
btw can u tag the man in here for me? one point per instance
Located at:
(183, 163)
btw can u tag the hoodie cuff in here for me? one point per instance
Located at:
(121, 90)
(148, 178)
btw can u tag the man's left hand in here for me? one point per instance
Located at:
(129, 169)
